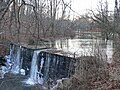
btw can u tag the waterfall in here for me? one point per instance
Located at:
(8, 63)
(16, 65)
(41, 66)
(40, 74)
(34, 77)
(47, 65)
(109, 51)
(10, 58)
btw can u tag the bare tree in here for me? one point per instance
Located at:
(37, 20)
(104, 19)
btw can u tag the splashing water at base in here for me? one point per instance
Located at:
(34, 74)
(16, 67)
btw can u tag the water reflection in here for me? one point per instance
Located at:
(86, 47)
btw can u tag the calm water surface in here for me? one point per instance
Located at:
(86, 47)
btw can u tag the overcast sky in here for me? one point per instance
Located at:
(81, 6)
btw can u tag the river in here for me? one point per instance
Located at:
(86, 47)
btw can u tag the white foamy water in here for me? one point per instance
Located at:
(109, 51)
(16, 64)
(34, 75)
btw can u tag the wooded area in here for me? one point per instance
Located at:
(35, 22)
(24, 21)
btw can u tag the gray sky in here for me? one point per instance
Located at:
(81, 6)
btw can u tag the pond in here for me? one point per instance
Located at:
(86, 47)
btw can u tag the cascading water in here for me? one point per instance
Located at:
(47, 64)
(41, 65)
(34, 77)
(109, 51)
(45, 67)
(16, 65)
(40, 74)
(10, 58)
(10, 61)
